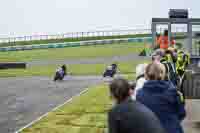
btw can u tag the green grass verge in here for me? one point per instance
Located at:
(71, 40)
(72, 52)
(84, 114)
(76, 69)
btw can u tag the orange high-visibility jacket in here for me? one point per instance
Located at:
(163, 42)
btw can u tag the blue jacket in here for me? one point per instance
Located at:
(163, 99)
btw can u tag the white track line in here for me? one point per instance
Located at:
(38, 119)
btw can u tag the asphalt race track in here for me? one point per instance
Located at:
(22, 100)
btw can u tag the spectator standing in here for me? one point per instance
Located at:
(158, 55)
(163, 41)
(127, 115)
(170, 66)
(140, 79)
(162, 98)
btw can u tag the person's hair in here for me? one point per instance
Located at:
(132, 85)
(157, 34)
(166, 33)
(168, 52)
(119, 89)
(158, 52)
(155, 71)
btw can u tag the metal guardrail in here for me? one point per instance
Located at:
(74, 44)
(13, 65)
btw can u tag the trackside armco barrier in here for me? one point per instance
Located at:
(74, 44)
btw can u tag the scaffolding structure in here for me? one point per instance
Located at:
(190, 22)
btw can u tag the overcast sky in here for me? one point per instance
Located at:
(26, 17)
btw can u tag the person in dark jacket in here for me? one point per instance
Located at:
(163, 99)
(128, 116)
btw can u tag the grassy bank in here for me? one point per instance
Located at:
(84, 114)
(72, 52)
(71, 40)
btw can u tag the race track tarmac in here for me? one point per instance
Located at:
(22, 100)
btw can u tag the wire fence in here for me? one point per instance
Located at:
(76, 35)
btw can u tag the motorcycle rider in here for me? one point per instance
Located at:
(60, 73)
